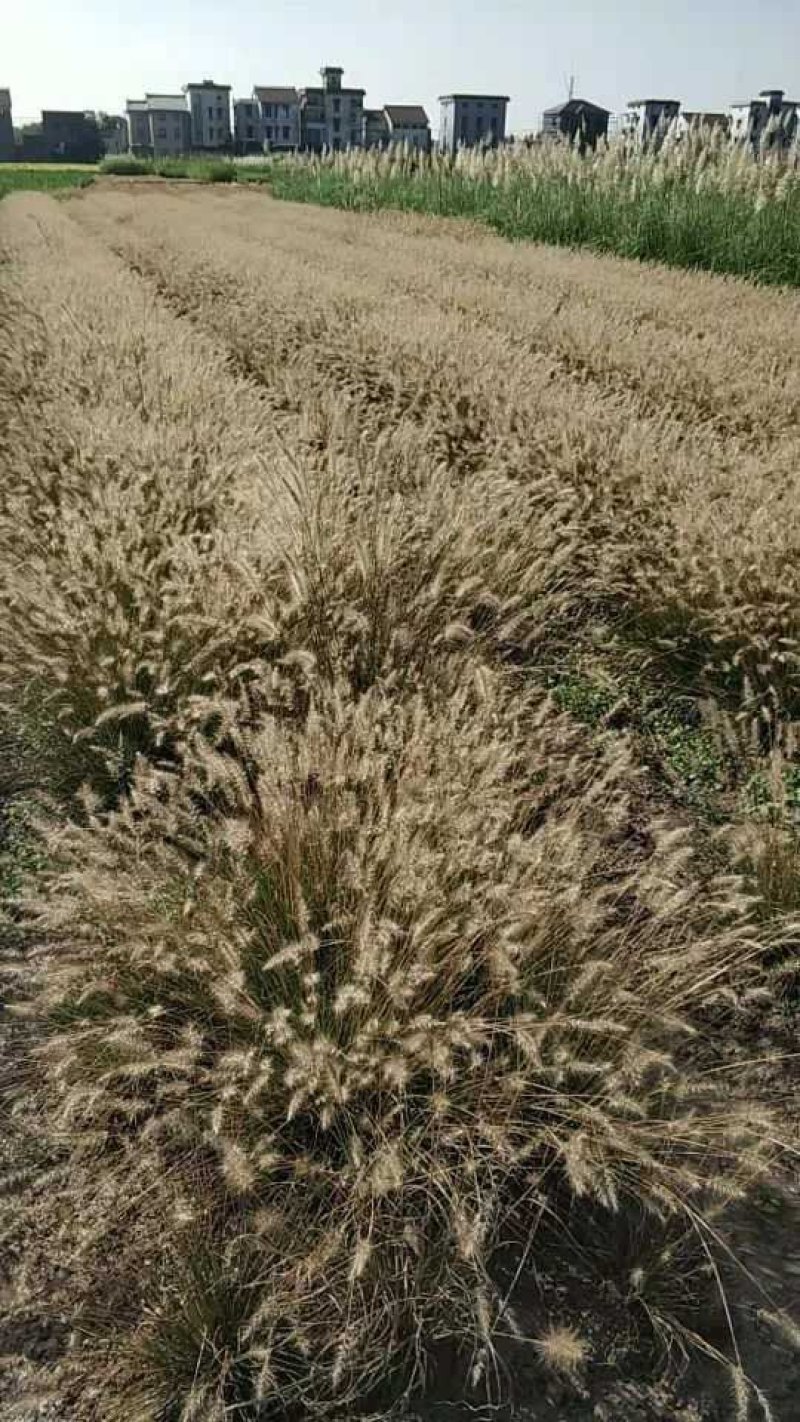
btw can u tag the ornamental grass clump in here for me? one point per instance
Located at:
(359, 1000)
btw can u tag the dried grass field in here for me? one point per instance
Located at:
(400, 665)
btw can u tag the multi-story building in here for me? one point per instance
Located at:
(578, 120)
(32, 148)
(159, 126)
(113, 133)
(6, 127)
(649, 118)
(331, 116)
(408, 123)
(210, 109)
(702, 121)
(280, 116)
(375, 129)
(471, 119)
(770, 121)
(139, 132)
(248, 131)
(71, 134)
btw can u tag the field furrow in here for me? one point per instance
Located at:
(710, 351)
(669, 485)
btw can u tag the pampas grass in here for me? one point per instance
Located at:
(692, 201)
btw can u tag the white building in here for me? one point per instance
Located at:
(210, 110)
(649, 118)
(471, 119)
(279, 107)
(331, 115)
(701, 121)
(375, 133)
(159, 126)
(113, 133)
(769, 121)
(248, 130)
(408, 123)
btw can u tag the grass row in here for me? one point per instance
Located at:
(674, 224)
(46, 177)
(16, 177)
(200, 170)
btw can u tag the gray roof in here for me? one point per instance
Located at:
(576, 105)
(406, 113)
(316, 91)
(760, 103)
(275, 94)
(207, 84)
(166, 103)
(66, 115)
(492, 98)
(635, 103)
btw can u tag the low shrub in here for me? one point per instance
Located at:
(124, 165)
(19, 177)
(172, 168)
(222, 172)
(202, 170)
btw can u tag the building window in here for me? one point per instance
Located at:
(287, 133)
(249, 130)
(161, 133)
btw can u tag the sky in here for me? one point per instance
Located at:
(94, 54)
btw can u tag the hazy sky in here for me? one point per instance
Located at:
(96, 53)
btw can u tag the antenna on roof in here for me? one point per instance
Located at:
(571, 87)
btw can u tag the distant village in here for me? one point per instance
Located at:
(204, 118)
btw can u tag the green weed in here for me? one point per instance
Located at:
(19, 178)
